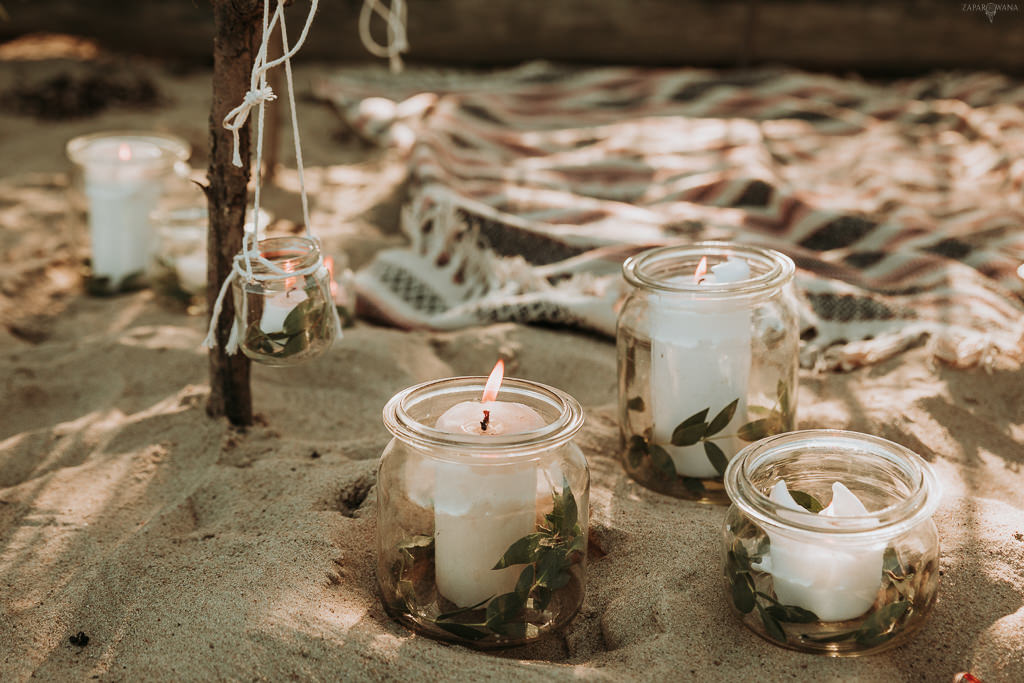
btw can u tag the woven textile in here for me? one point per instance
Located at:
(902, 204)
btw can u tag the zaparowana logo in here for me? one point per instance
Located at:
(989, 8)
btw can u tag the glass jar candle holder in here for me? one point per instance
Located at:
(285, 320)
(829, 546)
(120, 176)
(180, 225)
(482, 537)
(707, 346)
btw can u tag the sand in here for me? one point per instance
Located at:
(186, 549)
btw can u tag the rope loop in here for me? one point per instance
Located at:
(395, 18)
(236, 118)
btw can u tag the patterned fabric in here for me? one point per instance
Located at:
(902, 204)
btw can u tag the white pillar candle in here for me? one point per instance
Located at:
(122, 190)
(837, 581)
(700, 358)
(123, 176)
(276, 308)
(480, 510)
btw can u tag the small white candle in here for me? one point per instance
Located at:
(187, 228)
(276, 308)
(191, 270)
(700, 358)
(835, 581)
(480, 510)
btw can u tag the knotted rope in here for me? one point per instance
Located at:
(237, 117)
(258, 95)
(395, 19)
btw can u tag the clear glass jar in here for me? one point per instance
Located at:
(820, 572)
(179, 263)
(282, 321)
(482, 539)
(119, 177)
(707, 362)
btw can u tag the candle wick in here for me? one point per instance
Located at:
(486, 421)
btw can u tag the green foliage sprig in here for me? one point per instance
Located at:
(547, 556)
(882, 625)
(697, 429)
(775, 421)
(302, 326)
(747, 598)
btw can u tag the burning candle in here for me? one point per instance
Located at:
(479, 511)
(836, 583)
(700, 358)
(122, 180)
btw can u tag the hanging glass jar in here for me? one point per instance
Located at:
(482, 526)
(707, 361)
(829, 545)
(283, 320)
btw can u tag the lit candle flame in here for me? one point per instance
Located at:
(290, 283)
(702, 270)
(494, 382)
(124, 152)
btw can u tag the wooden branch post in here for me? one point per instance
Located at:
(237, 30)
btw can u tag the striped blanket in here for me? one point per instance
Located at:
(901, 203)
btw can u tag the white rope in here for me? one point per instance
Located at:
(261, 56)
(237, 117)
(295, 129)
(258, 95)
(395, 18)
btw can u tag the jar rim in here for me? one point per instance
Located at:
(173, 148)
(915, 507)
(288, 252)
(483, 449)
(778, 268)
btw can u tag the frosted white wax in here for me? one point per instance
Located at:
(836, 582)
(276, 308)
(191, 270)
(700, 358)
(480, 510)
(122, 184)
(504, 417)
